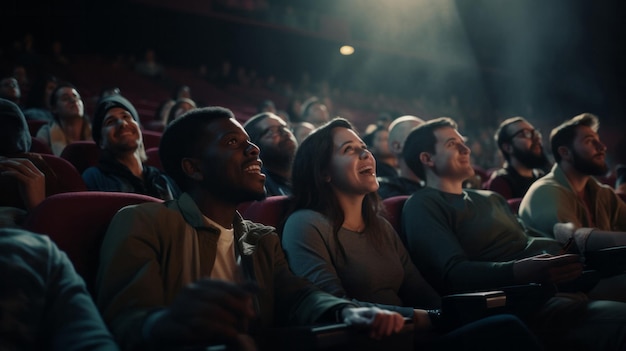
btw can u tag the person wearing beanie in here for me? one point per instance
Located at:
(116, 130)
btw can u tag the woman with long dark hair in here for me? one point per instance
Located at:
(337, 237)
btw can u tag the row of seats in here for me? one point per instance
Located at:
(77, 223)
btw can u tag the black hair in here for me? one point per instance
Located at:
(312, 191)
(184, 137)
(422, 139)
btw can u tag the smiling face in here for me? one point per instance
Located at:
(352, 166)
(451, 159)
(228, 165)
(120, 132)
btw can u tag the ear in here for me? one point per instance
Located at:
(507, 147)
(426, 159)
(191, 168)
(565, 153)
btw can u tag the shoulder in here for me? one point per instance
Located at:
(24, 243)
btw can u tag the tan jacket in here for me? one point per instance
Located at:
(151, 251)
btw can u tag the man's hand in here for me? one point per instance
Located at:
(380, 322)
(32, 181)
(205, 312)
(548, 269)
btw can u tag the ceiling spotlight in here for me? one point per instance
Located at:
(346, 50)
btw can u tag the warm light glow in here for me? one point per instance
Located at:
(346, 50)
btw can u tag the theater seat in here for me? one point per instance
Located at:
(39, 146)
(514, 204)
(151, 138)
(393, 210)
(153, 158)
(77, 222)
(271, 211)
(34, 125)
(82, 154)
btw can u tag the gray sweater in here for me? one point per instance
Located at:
(370, 275)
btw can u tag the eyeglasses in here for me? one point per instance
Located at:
(527, 134)
(275, 131)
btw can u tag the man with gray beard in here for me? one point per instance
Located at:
(278, 148)
(568, 203)
(521, 146)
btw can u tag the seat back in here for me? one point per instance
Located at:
(34, 125)
(77, 222)
(67, 176)
(393, 210)
(514, 204)
(151, 138)
(153, 158)
(39, 146)
(82, 154)
(271, 211)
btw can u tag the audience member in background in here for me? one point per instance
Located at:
(116, 131)
(69, 120)
(377, 142)
(620, 179)
(37, 105)
(278, 148)
(521, 147)
(181, 106)
(192, 272)
(294, 108)
(25, 177)
(301, 130)
(163, 111)
(406, 182)
(337, 239)
(10, 90)
(108, 91)
(44, 303)
(266, 106)
(464, 240)
(314, 111)
(571, 194)
(149, 66)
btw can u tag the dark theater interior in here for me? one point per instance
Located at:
(478, 62)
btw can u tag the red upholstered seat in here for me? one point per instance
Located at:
(151, 138)
(39, 146)
(77, 222)
(153, 158)
(393, 210)
(514, 204)
(67, 177)
(82, 154)
(271, 211)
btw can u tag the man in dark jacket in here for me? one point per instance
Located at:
(117, 131)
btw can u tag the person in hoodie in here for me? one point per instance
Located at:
(26, 178)
(116, 130)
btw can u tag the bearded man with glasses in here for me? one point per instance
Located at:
(522, 149)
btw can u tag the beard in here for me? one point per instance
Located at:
(529, 159)
(587, 166)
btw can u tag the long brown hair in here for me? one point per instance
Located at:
(312, 191)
